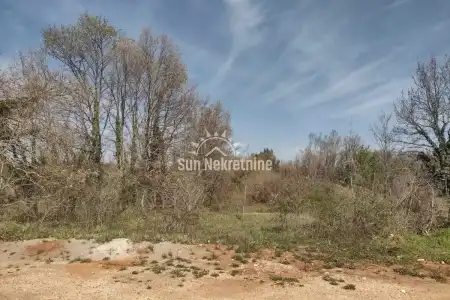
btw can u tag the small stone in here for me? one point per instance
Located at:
(421, 260)
(403, 291)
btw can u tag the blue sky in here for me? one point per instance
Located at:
(283, 68)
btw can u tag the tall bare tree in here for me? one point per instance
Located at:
(124, 88)
(85, 48)
(167, 102)
(423, 115)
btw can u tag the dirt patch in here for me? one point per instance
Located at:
(44, 247)
(83, 270)
(88, 269)
(143, 250)
(124, 270)
(273, 268)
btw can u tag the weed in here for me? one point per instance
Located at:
(283, 279)
(328, 266)
(177, 273)
(183, 259)
(239, 258)
(349, 286)
(278, 253)
(169, 262)
(157, 269)
(200, 273)
(438, 276)
(408, 271)
(331, 280)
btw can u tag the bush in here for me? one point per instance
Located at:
(184, 196)
(344, 216)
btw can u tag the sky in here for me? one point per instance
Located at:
(282, 68)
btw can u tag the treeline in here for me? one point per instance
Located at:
(108, 94)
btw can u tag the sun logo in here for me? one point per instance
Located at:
(216, 136)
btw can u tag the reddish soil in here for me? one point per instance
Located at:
(45, 247)
(49, 275)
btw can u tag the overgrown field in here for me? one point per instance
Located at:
(250, 232)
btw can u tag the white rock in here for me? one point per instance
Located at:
(120, 246)
(421, 260)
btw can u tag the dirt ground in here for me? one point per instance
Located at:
(79, 269)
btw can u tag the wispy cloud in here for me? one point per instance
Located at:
(396, 3)
(353, 82)
(366, 102)
(245, 18)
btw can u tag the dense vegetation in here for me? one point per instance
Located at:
(108, 94)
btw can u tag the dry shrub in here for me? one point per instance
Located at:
(345, 216)
(73, 194)
(262, 186)
(289, 198)
(184, 196)
(67, 193)
(218, 187)
(415, 198)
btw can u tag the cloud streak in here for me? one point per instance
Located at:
(397, 3)
(245, 18)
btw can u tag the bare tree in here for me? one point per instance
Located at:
(124, 83)
(423, 115)
(213, 118)
(319, 159)
(383, 135)
(84, 48)
(25, 90)
(164, 83)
